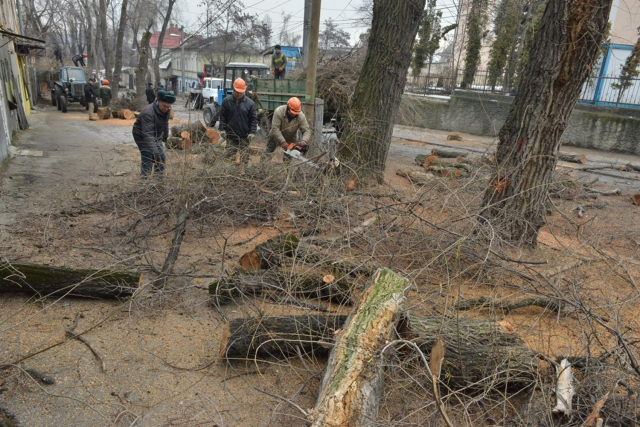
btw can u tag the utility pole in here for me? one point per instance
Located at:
(182, 87)
(312, 60)
(305, 32)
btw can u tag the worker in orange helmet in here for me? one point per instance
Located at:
(105, 93)
(287, 120)
(238, 121)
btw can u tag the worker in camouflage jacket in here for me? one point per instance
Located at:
(278, 63)
(287, 121)
(150, 130)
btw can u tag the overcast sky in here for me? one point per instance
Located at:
(343, 12)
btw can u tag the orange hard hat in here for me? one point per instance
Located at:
(295, 106)
(239, 85)
(84, 54)
(105, 82)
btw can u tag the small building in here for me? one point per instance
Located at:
(293, 54)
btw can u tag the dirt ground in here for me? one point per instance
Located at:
(160, 350)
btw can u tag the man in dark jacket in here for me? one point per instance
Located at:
(150, 130)
(90, 98)
(238, 121)
(151, 96)
(78, 60)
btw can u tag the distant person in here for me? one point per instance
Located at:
(90, 98)
(150, 130)
(96, 89)
(105, 93)
(278, 63)
(238, 121)
(287, 120)
(78, 60)
(151, 96)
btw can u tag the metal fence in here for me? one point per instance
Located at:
(603, 91)
(600, 90)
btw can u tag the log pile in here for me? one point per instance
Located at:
(124, 114)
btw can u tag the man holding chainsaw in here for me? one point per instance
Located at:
(287, 120)
(238, 121)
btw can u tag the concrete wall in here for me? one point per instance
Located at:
(600, 128)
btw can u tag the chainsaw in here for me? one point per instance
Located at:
(297, 152)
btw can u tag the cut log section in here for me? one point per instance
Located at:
(573, 158)
(45, 280)
(173, 143)
(197, 131)
(351, 389)
(213, 135)
(636, 199)
(273, 251)
(125, 114)
(136, 114)
(278, 337)
(450, 154)
(114, 114)
(104, 113)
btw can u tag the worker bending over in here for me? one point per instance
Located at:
(287, 120)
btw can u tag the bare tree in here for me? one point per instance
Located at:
(165, 23)
(117, 69)
(143, 66)
(381, 83)
(565, 47)
(105, 39)
(333, 36)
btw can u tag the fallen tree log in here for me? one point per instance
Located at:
(477, 352)
(273, 251)
(173, 143)
(196, 130)
(125, 114)
(114, 114)
(417, 177)
(298, 280)
(43, 280)
(351, 388)
(448, 153)
(104, 113)
(573, 158)
(279, 337)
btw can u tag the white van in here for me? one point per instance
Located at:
(210, 89)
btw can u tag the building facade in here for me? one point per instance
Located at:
(17, 96)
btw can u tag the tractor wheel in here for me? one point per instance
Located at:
(63, 103)
(58, 102)
(210, 115)
(53, 98)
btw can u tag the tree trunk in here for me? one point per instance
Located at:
(351, 389)
(381, 83)
(104, 113)
(563, 53)
(156, 60)
(117, 69)
(105, 40)
(278, 337)
(44, 281)
(141, 71)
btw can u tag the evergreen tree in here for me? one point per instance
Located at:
(475, 29)
(429, 36)
(505, 29)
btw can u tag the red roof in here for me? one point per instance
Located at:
(169, 41)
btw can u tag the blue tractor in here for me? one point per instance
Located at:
(68, 88)
(232, 71)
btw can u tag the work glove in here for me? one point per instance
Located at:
(250, 137)
(302, 143)
(285, 146)
(280, 69)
